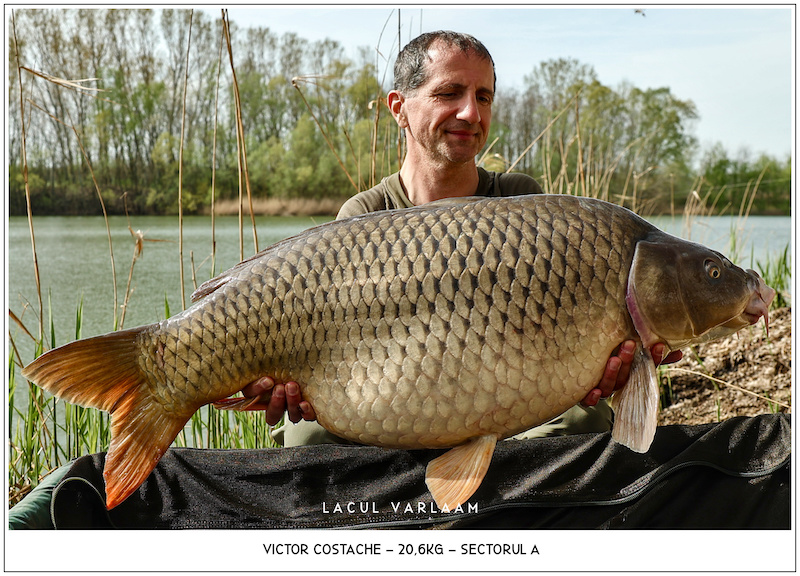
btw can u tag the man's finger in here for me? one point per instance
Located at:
(308, 411)
(610, 376)
(258, 387)
(293, 401)
(626, 352)
(277, 405)
(593, 397)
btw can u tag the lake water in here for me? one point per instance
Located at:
(75, 265)
(74, 262)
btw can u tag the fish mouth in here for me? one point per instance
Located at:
(758, 305)
(759, 302)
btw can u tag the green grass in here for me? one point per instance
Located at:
(777, 273)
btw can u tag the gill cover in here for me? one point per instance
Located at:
(680, 292)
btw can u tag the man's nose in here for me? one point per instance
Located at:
(468, 109)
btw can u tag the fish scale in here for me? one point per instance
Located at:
(448, 325)
(492, 284)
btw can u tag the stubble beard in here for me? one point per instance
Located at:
(448, 153)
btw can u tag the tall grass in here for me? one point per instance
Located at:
(777, 273)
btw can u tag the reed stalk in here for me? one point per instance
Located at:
(214, 160)
(579, 175)
(296, 84)
(717, 381)
(138, 246)
(180, 161)
(24, 156)
(546, 130)
(244, 175)
(374, 144)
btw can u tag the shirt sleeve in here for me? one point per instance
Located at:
(386, 195)
(352, 207)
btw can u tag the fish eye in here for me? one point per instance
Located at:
(712, 269)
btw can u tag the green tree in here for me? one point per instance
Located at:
(621, 143)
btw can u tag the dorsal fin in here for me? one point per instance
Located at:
(217, 282)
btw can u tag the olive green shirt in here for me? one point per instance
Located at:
(389, 193)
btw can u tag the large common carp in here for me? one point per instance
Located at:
(445, 325)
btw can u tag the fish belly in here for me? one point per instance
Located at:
(418, 328)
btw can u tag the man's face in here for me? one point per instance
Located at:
(447, 118)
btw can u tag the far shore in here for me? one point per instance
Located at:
(331, 206)
(282, 207)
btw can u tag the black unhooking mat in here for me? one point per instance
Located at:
(735, 474)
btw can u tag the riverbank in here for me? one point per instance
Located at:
(746, 374)
(330, 207)
(282, 207)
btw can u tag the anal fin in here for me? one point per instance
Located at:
(455, 475)
(243, 404)
(636, 404)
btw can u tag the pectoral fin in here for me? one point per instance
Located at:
(455, 475)
(636, 405)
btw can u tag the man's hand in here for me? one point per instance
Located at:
(285, 398)
(618, 369)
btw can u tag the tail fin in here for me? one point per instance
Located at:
(103, 372)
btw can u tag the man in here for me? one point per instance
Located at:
(444, 87)
(442, 99)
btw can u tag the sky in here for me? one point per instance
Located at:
(735, 63)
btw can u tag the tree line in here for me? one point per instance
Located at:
(109, 98)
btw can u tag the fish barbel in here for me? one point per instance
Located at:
(453, 324)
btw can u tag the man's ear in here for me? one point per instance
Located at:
(395, 101)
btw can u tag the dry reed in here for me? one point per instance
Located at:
(244, 174)
(214, 160)
(310, 79)
(25, 178)
(180, 161)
